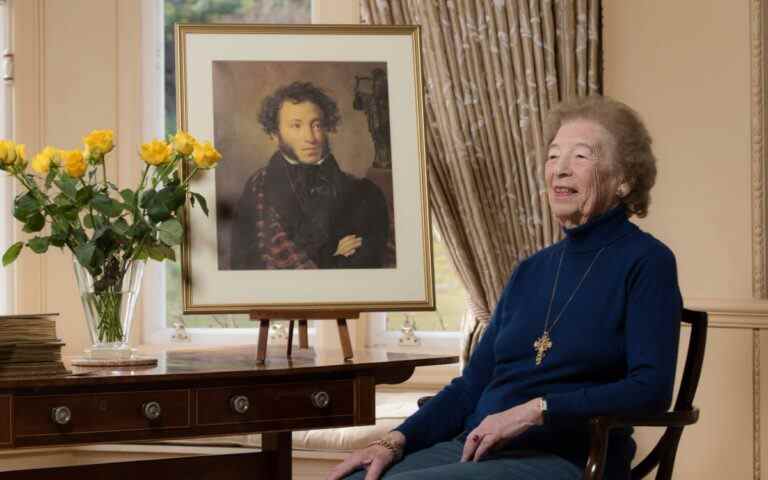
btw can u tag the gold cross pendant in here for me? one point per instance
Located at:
(541, 345)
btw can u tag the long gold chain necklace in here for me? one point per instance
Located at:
(544, 342)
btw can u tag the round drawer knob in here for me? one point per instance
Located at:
(320, 399)
(61, 415)
(151, 410)
(240, 404)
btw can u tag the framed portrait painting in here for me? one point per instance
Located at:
(320, 200)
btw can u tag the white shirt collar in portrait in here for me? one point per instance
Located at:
(294, 162)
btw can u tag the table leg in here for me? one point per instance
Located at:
(278, 445)
(346, 344)
(303, 335)
(290, 337)
(261, 350)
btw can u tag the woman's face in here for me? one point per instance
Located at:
(582, 177)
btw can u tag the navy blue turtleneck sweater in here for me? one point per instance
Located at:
(614, 349)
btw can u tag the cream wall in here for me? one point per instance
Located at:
(691, 84)
(685, 66)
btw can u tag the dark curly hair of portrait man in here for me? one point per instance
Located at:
(301, 211)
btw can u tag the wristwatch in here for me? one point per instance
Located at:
(544, 411)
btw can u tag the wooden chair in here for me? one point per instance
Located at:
(683, 414)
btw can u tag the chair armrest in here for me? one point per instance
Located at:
(667, 419)
(601, 426)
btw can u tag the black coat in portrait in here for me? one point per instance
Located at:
(292, 216)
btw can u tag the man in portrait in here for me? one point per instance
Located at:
(301, 211)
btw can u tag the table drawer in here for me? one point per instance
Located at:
(295, 401)
(100, 413)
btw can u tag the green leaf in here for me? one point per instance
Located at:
(84, 195)
(178, 197)
(62, 200)
(158, 213)
(39, 244)
(99, 232)
(58, 242)
(79, 235)
(106, 206)
(12, 253)
(138, 230)
(52, 172)
(34, 223)
(147, 198)
(128, 196)
(202, 201)
(121, 227)
(159, 252)
(84, 253)
(67, 185)
(59, 233)
(171, 232)
(69, 212)
(142, 254)
(164, 203)
(88, 221)
(25, 205)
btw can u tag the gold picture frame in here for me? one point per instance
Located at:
(230, 78)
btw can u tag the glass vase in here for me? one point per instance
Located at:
(109, 301)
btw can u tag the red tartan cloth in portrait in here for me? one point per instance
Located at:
(277, 250)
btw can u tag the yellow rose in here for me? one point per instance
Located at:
(205, 155)
(7, 152)
(42, 161)
(73, 162)
(184, 143)
(21, 152)
(156, 152)
(99, 142)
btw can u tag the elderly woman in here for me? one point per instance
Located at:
(588, 326)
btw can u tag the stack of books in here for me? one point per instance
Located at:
(29, 346)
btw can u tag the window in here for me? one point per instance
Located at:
(436, 331)
(450, 297)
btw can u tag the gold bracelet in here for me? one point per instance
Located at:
(389, 445)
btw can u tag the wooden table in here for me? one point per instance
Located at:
(200, 392)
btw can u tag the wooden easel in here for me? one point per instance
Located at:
(266, 316)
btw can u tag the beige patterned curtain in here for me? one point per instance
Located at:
(492, 69)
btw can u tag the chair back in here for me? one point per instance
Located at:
(663, 453)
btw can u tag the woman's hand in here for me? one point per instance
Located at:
(497, 429)
(374, 458)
